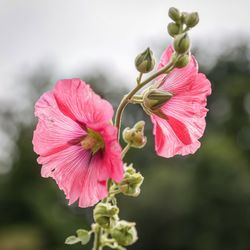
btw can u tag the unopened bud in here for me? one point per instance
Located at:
(183, 17)
(106, 215)
(129, 170)
(155, 98)
(174, 14)
(173, 29)
(145, 61)
(139, 126)
(191, 19)
(135, 136)
(181, 43)
(124, 233)
(182, 61)
(131, 183)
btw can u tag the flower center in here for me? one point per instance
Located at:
(92, 141)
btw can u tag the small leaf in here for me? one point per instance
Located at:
(72, 240)
(83, 235)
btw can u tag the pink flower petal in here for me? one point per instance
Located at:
(180, 130)
(167, 143)
(177, 77)
(54, 130)
(78, 101)
(77, 173)
(185, 112)
(113, 153)
(165, 58)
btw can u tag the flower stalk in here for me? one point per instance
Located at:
(108, 229)
(97, 240)
(126, 99)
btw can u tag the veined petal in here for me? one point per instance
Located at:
(54, 130)
(175, 80)
(165, 58)
(78, 101)
(77, 173)
(184, 122)
(113, 153)
(189, 107)
(167, 143)
(65, 116)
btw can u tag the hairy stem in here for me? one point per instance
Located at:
(139, 78)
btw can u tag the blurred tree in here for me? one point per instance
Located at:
(199, 202)
(203, 201)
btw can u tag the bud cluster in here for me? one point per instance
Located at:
(106, 215)
(124, 233)
(117, 233)
(108, 229)
(182, 22)
(131, 183)
(134, 137)
(120, 232)
(112, 231)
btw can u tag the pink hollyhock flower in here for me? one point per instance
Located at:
(180, 122)
(76, 141)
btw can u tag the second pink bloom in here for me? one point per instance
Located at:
(184, 123)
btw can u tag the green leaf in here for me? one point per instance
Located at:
(83, 235)
(72, 240)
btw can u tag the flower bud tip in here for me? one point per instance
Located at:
(174, 14)
(145, 61)
(191, 19)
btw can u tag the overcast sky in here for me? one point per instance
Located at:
(76, 35)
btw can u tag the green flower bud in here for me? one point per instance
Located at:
(181, 43)
(145, 61)
(106, 215)
(174, 14)
(173, 29)
(131, 183)
(124, 233)
(135, 136)
(191, 19)
(129, 170)
(183, 17)
(182, 61)
(155, 98)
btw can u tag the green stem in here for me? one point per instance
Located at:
(125, 150)
(97, 242)
(128, 97)
(139, 79)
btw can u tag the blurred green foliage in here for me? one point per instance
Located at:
(199, 202)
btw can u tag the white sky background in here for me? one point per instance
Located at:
(77, 35)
